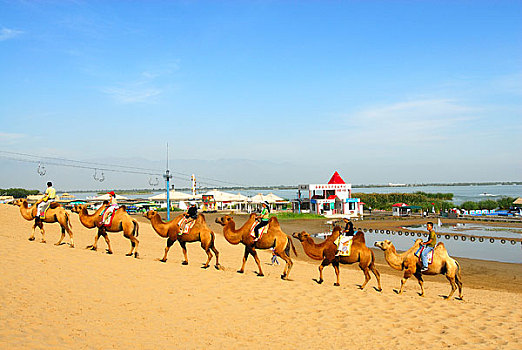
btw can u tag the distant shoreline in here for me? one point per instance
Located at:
(294, 187)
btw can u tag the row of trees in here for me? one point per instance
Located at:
(441, 201)
(502, 203)
(17, 192)
(384, 201)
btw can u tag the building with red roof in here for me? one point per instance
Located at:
(331, 199)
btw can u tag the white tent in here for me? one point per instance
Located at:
(272, 198)
(174, 196)
(106, 197)
(220, 196)
(260, 198)
(239, 198)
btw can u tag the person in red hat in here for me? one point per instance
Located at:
(113, 205)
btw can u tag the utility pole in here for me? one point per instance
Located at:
(193, 180)
(167, 177)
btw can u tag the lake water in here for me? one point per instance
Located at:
(460, 193)
(457, 248)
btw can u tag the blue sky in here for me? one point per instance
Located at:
(383, 91)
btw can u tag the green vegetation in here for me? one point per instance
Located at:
(489, 204)
(384, 201)
(296, 216)
(172, 209)
(441, 201)
(17, 192)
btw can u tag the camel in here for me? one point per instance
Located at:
(200, 232)
(442, 264)
(121, 222)
(273, 238)
(327, 250)
(55, 213)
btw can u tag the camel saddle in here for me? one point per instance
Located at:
(262, 230)
(344, 245)
(110, 217)
(52, 205)
(419, 251)
(185, 226)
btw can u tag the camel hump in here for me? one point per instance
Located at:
(440, 247)
(200, 215)
(54, 205)
(273, 221)
(359, 236)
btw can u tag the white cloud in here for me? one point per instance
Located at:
(132, 94)
(10, 138)
(144, 89)
(409, 122)
(6, 33)
(509, 83)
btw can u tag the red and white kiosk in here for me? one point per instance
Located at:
(333, 199)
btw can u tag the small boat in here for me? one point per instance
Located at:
(488, 194)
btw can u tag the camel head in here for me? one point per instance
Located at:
(384, 245)
(77, 208)
(301, 236)
(223, 220)
(150, 214)
(20, 201)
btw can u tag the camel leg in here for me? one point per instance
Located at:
(69, 231)
(31, 238)
(288, 265)
(134, 245)
(336, 269)
(184, 250)
(458, 279)
(459, 285)
(321, 267)
(42, 232)
(206, 248)
(106, 236)
(245, 257)
(377, 276)
(94, 246)
(407, 274)
(170, 242)
(451, 280)
(62, 237)
(418, 275)
(367, 276)
(258, 262)
(217, 255)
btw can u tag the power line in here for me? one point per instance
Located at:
(106, 167)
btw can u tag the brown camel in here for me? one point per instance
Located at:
(442, 264)
(121, 222)
(273, 238)
(200, 232)
(327, 250)
(55, 213)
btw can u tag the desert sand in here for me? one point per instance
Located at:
(62, 298)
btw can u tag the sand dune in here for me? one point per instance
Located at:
(58, 297)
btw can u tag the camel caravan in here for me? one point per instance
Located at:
(342, 246)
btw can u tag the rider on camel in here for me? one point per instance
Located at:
(113, 205)
(429, 245)
(263, 217)
(45, 202)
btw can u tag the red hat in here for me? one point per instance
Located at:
(112, 193)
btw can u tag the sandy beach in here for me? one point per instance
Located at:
(58, 297)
